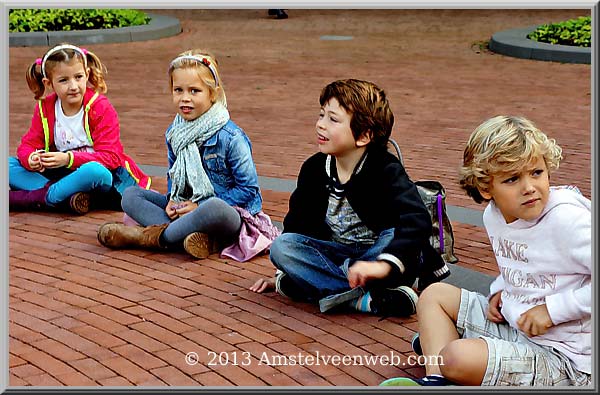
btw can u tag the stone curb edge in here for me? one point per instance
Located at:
(455, 213)
(462, 277)
(160, 26)
(515, 43)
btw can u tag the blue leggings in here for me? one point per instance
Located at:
(213, 216)
(89, 176)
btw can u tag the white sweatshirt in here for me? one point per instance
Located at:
(548, 260)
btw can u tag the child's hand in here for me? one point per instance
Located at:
(171, 209)
(494, 307)
(263, 285)
(185, 207)
(361, 272)
(53, 160)
(35, 162)
(535, 321)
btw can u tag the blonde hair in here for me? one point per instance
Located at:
(503, 144)
(64, 53)
(205, 63)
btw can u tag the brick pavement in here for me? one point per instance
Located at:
(82, 315)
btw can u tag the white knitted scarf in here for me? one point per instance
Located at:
(186, 138)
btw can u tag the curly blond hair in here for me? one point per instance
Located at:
(503, 144)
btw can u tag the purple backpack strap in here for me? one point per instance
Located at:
(441, 224)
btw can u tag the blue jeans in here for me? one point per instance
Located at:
(213, 216)
(319, 269)
(88, 177)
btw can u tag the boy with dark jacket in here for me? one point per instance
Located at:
(357, 232)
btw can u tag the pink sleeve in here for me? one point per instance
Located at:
(32, 140)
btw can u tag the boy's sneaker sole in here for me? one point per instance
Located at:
(400, 382)
(394, 302)
(427, 381)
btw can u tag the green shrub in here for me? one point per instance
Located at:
(67, 19)
(575, 32)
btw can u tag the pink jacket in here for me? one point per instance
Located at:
(102, 127)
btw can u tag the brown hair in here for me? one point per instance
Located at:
(368, 106)
(42, 68)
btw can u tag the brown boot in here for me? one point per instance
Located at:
(115, 235)
(79, 202)
(200, 245)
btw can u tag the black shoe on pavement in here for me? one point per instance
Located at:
(394, 302)
(279, 14)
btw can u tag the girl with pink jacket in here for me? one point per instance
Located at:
(72, 148)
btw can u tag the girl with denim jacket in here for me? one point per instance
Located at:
(72, 147)
(213, 194)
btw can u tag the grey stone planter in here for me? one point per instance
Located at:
(515, 43)
(160, 26)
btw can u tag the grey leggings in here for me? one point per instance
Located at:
(213, 216)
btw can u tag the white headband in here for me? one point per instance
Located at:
(82, 51)
(202, 60)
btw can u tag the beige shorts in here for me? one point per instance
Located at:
(513, 359)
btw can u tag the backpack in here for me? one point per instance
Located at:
(433, 196)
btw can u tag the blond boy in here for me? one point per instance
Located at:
(535, 327)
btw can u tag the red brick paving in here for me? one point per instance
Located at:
(82, 315)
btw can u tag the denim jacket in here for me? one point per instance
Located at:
(227, 160)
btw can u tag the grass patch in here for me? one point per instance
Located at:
(68, 19)
(574, 32)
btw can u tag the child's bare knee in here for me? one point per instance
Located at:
(451, 360)
(436, 295)
(464, 361)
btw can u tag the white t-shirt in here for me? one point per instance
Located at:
(69, 133)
